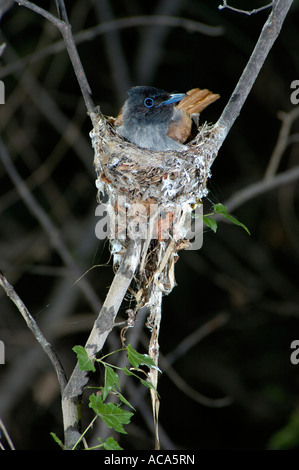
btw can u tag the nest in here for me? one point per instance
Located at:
(154, 191)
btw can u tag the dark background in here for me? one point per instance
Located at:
(238, 294)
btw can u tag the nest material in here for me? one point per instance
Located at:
(133, 181)
(170, 181)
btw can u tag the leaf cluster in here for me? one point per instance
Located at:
(114, 415)
(222, 210)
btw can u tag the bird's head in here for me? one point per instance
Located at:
(149, 105)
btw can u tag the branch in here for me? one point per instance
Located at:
(91, 33)
(271, 181)
(282, 141)
(103, 325)
(246, 12)
(261, 187)
(265, 42)
(3, 431)
(65, 28)
(46, 223)
(32, 325)
(2, 48)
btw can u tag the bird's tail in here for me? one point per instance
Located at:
(197, 100)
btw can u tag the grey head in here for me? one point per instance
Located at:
(146, 116)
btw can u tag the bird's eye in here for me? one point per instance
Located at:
(149, 102)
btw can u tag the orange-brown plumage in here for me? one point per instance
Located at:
(197, 100)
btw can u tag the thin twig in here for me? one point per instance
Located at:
(271, 181)
(261, 187)
(282, 141)
(47, 224)
(2, 48)
(110, 26)
(66, 31)
(246, 12)
(6, 435)
(32, 325)
(40, 11)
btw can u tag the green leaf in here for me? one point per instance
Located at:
(148, 384)
(85, 363)
(111, 414)
(110, 444)
(125, 401)
(129, 372)
(211, 223)
(136, 359)
(220, 209)
(57, 440)
(111, 379)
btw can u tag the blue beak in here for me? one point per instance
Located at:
(173, 99)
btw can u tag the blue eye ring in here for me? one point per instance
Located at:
(148, 102)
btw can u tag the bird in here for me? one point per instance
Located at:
(154, 119)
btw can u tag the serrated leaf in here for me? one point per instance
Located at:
(111, 414)
(136, 359)
(211, 223)
(125, 401)
(128, 372)
(111, 379)
(84, 361)
(110, 444)
(57, 440)
(147, 384)
(221, 209)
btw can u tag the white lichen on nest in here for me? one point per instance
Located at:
(169, 179)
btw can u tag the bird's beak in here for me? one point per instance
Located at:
(173, 99)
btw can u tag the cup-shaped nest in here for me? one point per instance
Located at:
(155, 191)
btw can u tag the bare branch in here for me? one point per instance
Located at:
(32, 325)
(47, 224)
(110, 26)
(102, 327)
(246, 12)
(2, 48)
(271, 181)
(4, 431)
(282, 141)
(261, 187)
(62, 11)
(66, 31)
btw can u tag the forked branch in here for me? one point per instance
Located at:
(206, 147)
